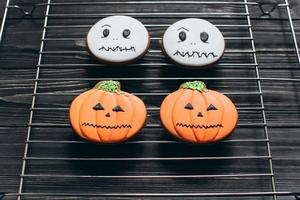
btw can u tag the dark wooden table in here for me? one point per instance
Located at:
(19, 56)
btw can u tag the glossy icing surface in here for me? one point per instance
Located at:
(193, 42)
(118, 39)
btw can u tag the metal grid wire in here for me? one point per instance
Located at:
(57, 51)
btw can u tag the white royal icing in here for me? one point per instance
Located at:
(193, 51)
(114, 47)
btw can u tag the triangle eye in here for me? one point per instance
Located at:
(98, 106)
(211, 107)
(117, 109)
(189, 106)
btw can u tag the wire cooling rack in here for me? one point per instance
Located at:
(153, 165)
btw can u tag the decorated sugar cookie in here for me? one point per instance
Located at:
(105, 114)
(194, 43)
(118, 39)
(196, 114)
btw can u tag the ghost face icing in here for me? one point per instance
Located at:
(118, 39)
(193, 42)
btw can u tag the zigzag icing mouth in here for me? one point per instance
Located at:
(106, 126)
(199, 126)
(193, 54)
(117, 48)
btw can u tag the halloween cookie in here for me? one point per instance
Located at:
(198, 115)
(105, 114)
(118, 39)
(194, 43)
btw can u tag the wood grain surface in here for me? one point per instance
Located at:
(60, 81)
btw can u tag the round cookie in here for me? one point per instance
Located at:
(118, 39)
(105, 114)
(194, 43)
(198, 115)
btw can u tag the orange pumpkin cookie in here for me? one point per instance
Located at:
(198, 115)
(105, 114)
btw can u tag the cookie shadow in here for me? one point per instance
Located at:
(194, 159)
(102, 159)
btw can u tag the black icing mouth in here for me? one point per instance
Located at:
(199, 126)
(194, 54)
(117, 48)
(106, 126)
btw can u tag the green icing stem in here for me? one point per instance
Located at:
(194, 85)
(109, 86)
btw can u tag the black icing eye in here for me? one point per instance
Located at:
(211, 107)
(204, 36)
(189, 106)
(126, 33)
(118, 109)
(105, 32)
(98, 106)
(182, 36)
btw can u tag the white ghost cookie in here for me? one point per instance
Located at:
(194, 43)
(118, 39)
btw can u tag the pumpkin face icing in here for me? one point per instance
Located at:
(194, 43)
(106, 114)
(118, 39)
(196, 114)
